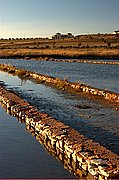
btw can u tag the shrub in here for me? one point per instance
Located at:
(79, 44)
(47, 47)
(108, 44)
(61, 47)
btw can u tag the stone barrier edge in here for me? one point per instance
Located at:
(62, 84)
(87, 154)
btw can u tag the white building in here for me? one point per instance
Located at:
(62, 36)
(116, 32)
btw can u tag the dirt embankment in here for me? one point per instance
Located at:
(89, 53)
(105, 46)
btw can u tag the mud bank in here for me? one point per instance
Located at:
(62, 84)
(81, 152)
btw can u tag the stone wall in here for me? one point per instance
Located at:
(76, 87)
(79, 151)
(62, 84)
(74, 60)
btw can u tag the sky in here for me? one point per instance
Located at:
(44, 18)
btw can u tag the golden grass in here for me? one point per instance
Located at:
(59, 52)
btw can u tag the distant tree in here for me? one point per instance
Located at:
(108, 44)
(99, 34)
(79, 44)
(47, 47)
(105, 41)
(61, 47)
(38, 43)
(54, 44)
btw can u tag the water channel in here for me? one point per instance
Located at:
(97, 75)
(21, 156)
(98, 121)
(95, 120)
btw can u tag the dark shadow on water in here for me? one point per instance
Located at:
(65, 113)
(98, 134)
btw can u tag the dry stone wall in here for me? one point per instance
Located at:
(74, 60)
(76, 87)
(79, 152)
(62, 84)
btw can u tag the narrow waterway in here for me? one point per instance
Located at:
(97, 75)
(91, 118)
(22, 156)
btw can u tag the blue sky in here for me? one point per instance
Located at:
(41, 18)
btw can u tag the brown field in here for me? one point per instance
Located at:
(90, 46)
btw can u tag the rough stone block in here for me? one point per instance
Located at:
(93, 170)
(68, 148)
(74, 156)
(84, 166)
(80, 159)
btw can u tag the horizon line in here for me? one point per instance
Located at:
(44, 37)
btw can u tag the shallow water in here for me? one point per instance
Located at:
(96, 75)
(21, 156)
(97, 121)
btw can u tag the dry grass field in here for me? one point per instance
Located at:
(90, 46)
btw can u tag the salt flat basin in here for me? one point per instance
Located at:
(93, 119)
(97, 75)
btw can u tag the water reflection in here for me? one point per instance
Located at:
(68, 164)
(99, 122)
(21, 156)
(100, 76)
